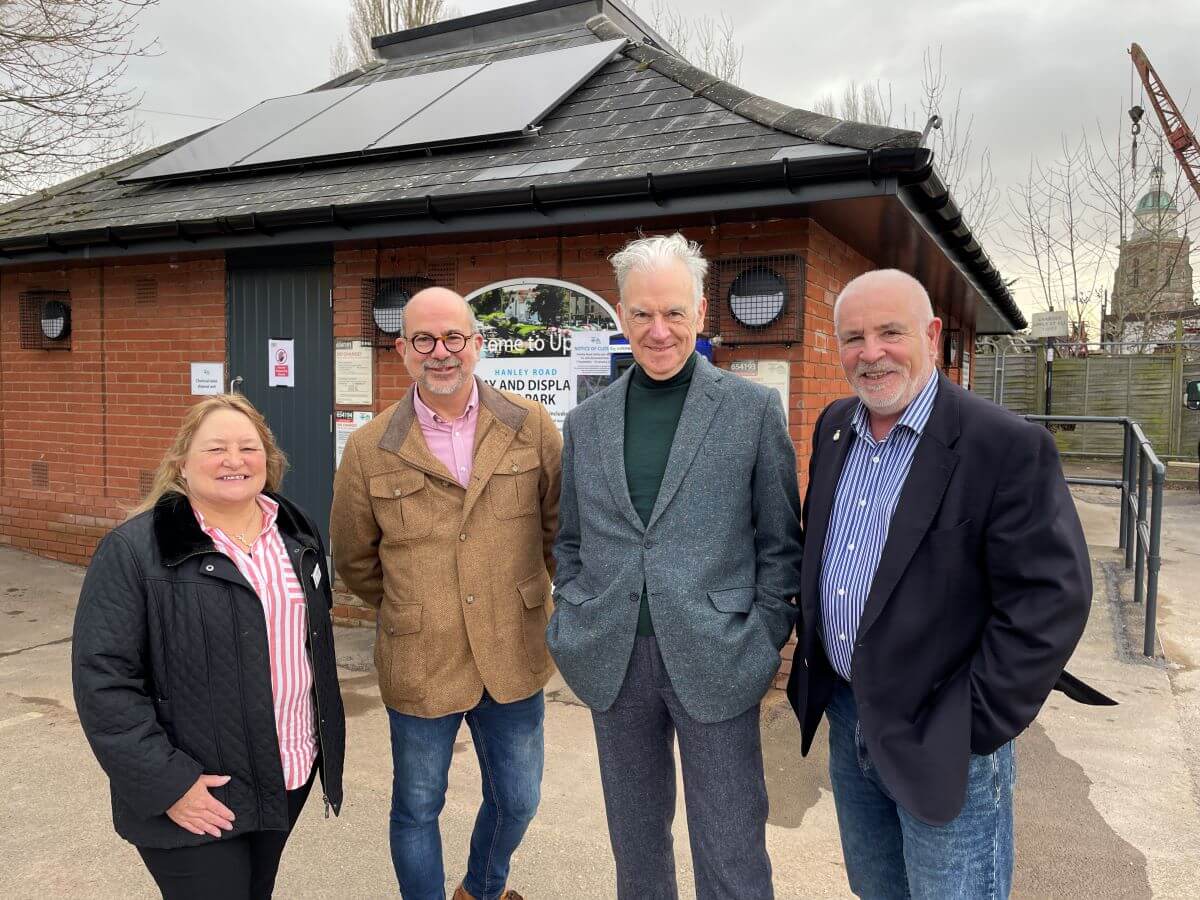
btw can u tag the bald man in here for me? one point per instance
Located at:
(445, 508)
(945, 583)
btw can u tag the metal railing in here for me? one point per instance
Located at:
(1142, 474)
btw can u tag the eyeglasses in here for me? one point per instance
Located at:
(424, 343)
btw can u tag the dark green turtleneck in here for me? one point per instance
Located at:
(652, 410)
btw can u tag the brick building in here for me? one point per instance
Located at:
(114, 284)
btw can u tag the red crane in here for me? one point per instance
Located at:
(1179, 135)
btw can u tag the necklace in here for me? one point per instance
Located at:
(240, 536)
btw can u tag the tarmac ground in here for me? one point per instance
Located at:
(1107, 800)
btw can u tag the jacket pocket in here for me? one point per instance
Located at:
(513, 487)
(733, 600)
(402, 505)
(571, 595)
(534, 591)
(400, 650)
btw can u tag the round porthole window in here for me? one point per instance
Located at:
(388, 310)
(757, 297)
(56, 320)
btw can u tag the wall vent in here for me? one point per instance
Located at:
(39, 474)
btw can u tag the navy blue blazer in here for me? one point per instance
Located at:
(981, 594)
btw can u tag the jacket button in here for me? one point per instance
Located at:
(396, 492)
(463, 536)
(208, 568)
(634, 597)
(514, 467)
(470, 598)
(648, 544)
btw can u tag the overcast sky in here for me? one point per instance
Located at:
(1031, 71)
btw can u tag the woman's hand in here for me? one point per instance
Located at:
(200, 812)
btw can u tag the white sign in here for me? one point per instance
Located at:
(589, 350)
(208, 378)
(772, 373)
(281, 363)
(547, 379)
(352, 373)
(1050, 324)
(345, 424)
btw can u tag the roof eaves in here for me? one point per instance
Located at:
(799, 122)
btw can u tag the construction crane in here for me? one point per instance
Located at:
(1175, 128)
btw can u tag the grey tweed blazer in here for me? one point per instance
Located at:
(720, 557)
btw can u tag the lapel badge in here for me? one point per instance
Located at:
(837, 434)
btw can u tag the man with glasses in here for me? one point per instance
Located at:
(445, 508)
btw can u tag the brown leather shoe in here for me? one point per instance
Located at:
(460, 893)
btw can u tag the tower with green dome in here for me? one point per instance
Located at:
(1153, 282)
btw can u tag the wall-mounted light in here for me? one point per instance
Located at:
(387, 310)
(45, 320)
(757, 297)
(55, 320)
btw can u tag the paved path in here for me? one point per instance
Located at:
(1108, 801)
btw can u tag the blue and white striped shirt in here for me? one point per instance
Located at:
(866, 497)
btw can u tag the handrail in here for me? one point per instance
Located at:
(1143, 477)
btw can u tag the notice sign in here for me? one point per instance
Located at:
(589, 350)
(547, 379)
(345, 424)
(1050, 324)
(281, 363)
(773, 373)
(208, 378)
(352, 374)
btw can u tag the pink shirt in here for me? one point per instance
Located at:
(273, 577)
(453, 443)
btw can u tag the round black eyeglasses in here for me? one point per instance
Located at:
(424, 343)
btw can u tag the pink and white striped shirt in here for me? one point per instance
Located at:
(273, 577)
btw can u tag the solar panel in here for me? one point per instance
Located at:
(492, 100)
(353, 125)
(506, 98)
(225, 145)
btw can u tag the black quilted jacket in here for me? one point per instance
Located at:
(172, 675)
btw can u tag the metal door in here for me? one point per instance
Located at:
(289, 302)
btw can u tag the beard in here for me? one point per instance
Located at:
(878, 400)
(442, 388)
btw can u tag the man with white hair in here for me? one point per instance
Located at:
(678, 560)
(946, 582)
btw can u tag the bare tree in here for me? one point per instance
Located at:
(967, 173)
(710, 44)
(371, 18)
(869, 103)
(63, 108)
(1058, 238)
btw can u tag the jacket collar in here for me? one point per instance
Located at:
(178, 534)
(505, 411)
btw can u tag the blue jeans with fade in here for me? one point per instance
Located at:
(509, 743)
(889, 853)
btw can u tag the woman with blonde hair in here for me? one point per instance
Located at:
(203, 661)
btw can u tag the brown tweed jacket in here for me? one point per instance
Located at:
(460, 576)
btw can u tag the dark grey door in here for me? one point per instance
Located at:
(289, 302)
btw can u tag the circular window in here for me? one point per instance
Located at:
(757, 297)
(56, 320)
(388, 310)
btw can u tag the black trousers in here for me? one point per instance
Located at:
(241, 868)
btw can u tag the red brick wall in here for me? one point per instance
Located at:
(102, 413)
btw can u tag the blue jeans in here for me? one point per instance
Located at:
(508, 741)
(890, 854)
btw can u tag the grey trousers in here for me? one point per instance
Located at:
(723, 788)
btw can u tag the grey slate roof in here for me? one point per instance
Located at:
(646, 112)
